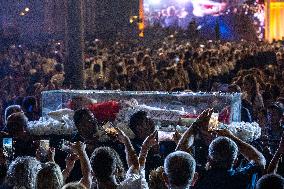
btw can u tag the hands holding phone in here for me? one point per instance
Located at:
(151, 140)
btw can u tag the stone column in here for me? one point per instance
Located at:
(74, 67)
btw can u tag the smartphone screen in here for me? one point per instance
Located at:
(213, 122)
(165, 136)
(44, 146)
(8, 147)
(177, 60)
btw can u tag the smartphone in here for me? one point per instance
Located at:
(44, 146)
(214, 122)
(8, 147)
(165, 136)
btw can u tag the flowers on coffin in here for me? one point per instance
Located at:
(245, 131)
(59, 122)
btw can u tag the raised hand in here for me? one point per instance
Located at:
(78, 148)
(71, 159)
(151, 140)
(176, 137)
(51, 154)
(201, 125)
(132, 159)
(204, 118)
(121, 136)
(148, 143)
(70, 162)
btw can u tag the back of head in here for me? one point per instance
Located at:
(179, 169)
(16, 123)
(81, 114)
(49, 176)
(103, 162)
(12, 109)
(222, 152)
(74, 185)
(79, 102)
(22, 172)
(270, 181)
(136, 119)
(84, 113)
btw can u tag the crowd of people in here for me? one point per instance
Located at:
(194, 159)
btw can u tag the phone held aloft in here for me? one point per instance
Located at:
(8, 148)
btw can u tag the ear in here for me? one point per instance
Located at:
(166, 179)
(194, 179)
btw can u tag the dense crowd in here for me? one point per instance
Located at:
(194, 159)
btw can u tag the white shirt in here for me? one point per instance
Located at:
(134, 181)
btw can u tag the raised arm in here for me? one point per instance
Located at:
(131, 156)
(273, 165)
(200, 125)
(70, 162)
(79, 149)
(247, 150)
(148, 143)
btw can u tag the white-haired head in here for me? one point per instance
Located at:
(222, 152)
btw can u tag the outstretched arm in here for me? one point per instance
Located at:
(148, 143)
(201, 124)
(273, 165)
(70, 161)
(131, 156)
(79, 149)
(247, 150)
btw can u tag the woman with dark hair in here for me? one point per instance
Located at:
(252, 94)
(10, 110)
